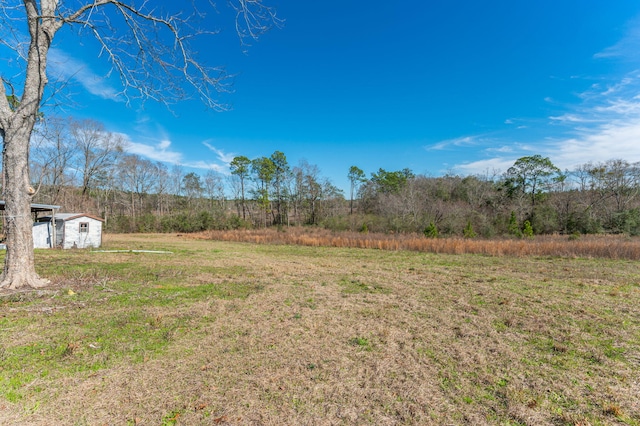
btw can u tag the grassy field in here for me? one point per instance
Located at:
(246, 334)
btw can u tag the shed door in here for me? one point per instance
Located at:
(59, 232)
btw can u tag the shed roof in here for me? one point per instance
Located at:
(70, 216)
(36, 207)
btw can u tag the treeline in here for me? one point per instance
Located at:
(84, 168)
(531, 197)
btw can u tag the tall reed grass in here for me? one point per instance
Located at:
(591, 246)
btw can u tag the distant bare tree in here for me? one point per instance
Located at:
(175, 180)
(137, 177)
(310, 190)
(235, 186)
(214, 187)
(97, 152)
(53, 152)
(162, 187)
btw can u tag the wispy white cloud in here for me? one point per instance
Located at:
(618, 139)
(627, 47)
(610, 115)
(224, 157)
(491, 165)
(203, 165)
(611, 140)
(605, 125)
(64, 67)
(506, 149)
(158, 152)
(457, 142)
(162, 151)
(572, 118)
(164, 145)
(621, 107)
(513, 123)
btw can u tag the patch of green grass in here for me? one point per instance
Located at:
(86, 343)
(612, 351)
(356, 286)
(167, 294)
(361, 342)
(11, 386)
(171, 418)
(102, 315)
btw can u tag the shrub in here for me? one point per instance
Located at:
(236, 222)
(119, 224)
(337, 223)
(203, 221)
(527, 230)
(431, 231)
(583, 223)
(468, 231)
(544, 219)
(626, 222)
(514, 228)
(177, 223)
(146, 223)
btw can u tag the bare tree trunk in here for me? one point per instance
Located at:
(16, 128)
(19, 266)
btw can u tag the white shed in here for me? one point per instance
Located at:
(73, 230)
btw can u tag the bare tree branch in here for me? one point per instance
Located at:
(150, 51)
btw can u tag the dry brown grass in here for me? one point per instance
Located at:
(589, 246)
(325, 336)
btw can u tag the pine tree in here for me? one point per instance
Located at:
(431, 231)
(514, 228)
(468, 231)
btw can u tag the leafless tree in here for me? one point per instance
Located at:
(137, 179)
(162, 186)
(235, 185)
(52, 153)
(148, 49)
(310, 190)
(97, 152)
(175, 179)
(214, 188)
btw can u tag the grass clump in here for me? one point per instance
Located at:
(361, 342)
(355, 286)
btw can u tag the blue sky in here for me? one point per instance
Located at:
(457, 86)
